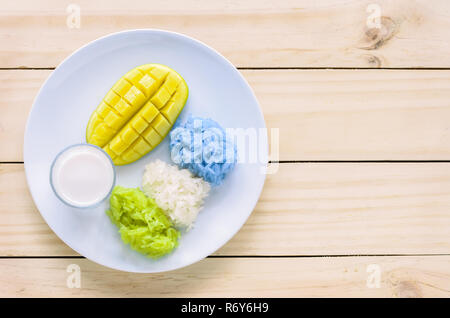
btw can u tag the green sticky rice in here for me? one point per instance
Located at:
(141, 223)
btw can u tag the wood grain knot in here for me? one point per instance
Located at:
(374, 38)
(402, 285)
(407, 289)
(373, 61)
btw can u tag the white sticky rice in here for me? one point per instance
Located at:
(176, 191)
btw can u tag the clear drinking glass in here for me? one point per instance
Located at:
(78, 171)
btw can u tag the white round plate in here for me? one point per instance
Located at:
(72, 92)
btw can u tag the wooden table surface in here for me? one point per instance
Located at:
(363, 189)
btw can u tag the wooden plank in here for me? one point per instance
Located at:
(357, 114)
(18, 90)
(305, 209)
(333, 114)
(235, 277)
(255, 33)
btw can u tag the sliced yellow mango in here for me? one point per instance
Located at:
(137, 112)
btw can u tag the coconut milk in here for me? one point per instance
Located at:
(82, 175)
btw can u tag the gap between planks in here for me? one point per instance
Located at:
(242, 256)
(311, 161)
(272, 68)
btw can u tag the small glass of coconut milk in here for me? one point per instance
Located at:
(82, 175)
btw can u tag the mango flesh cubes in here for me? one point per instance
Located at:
(137, 112)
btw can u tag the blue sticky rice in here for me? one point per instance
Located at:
(202, 146)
